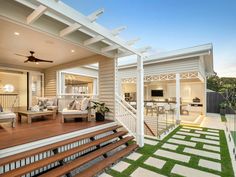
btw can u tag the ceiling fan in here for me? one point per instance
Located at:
(32, 58)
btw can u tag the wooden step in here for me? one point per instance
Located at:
(19, 156)
(95, 169)
(85, 159)
(44, 162)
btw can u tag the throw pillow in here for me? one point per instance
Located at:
(84, 104)
(42, 104)
(77, 105)
(50, 103)
(35, 108)
(71, 105)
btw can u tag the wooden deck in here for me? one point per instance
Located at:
(40, 128)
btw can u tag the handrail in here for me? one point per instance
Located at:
(133, 112)
(127, 104)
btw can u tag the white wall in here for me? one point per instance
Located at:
(19, 81)
(184, 65)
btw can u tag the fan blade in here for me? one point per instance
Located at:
(26, 61)
(41, 60)
(21, 55)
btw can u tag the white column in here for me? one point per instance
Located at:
(205, 97)
(177, 79)
(95, 86)
(140, 103)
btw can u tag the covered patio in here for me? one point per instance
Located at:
(63, 38)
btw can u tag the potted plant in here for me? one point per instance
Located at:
(101, 110)
(223, 106)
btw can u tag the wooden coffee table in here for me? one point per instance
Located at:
(31, 114)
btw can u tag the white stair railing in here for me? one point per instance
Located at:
(125, 115)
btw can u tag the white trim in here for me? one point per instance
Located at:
(36, 144)
(79, 74)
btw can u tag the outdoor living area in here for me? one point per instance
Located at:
(52, 128)
(174, 87)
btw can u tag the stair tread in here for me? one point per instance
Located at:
(95, 169)
(60, 156)
(32, 152)
(85, 159)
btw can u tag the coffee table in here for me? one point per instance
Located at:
(31, 114)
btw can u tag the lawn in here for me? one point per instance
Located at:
(149, 150)
(233, 133)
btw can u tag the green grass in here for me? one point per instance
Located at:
(223, 118)
(233, 133)
(148, 151)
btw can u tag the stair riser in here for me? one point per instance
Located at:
(37, 157)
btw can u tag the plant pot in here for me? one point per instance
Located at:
(222, 111)
(99, 116)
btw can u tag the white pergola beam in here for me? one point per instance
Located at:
(68, 12)
(93, 40)
(94, 16)
(144, 49)
(70, 29)
(109, 48)
(132, 42)
(118, 30)
(39, 11)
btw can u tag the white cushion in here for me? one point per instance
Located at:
(7, 115)
(67, 111)
(84, 104)
(51, 107)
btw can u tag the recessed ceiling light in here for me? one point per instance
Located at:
(16, 33)
(72, 51)
(37, 63)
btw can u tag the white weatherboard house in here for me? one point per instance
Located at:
(179, 76)
(179, 73)
(71, 43)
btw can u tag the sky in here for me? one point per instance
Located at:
(167, 25)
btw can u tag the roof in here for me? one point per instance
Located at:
(205, 50)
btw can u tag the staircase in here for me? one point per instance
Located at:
(85, 155)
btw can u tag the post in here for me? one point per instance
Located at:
(177, 79)
(205, 97)
(140, 102)
(95, 85)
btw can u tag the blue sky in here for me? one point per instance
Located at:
(173, 24)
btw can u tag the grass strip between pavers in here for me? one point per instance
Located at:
(149, 150)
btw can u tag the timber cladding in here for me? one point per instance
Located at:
(107, 84)
(50, 74)
(106, 79)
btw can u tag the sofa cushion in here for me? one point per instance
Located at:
(7, 115)
(67, 112)
(84, 104)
